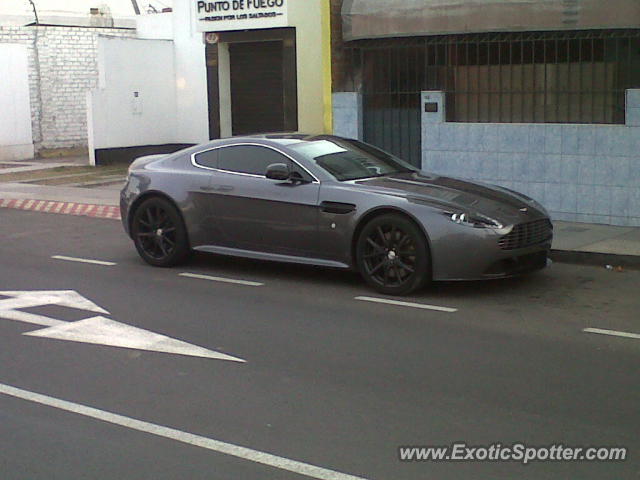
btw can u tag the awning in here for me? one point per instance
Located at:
(401, 18)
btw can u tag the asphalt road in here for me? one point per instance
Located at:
(329, 380)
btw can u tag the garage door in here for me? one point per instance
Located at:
(257, 87)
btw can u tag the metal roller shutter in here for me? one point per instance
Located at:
(257, 87)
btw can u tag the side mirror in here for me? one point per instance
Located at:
(278, 171)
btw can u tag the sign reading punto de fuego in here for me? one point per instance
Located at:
(225, 15)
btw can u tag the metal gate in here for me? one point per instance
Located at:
(514, 77)
(392, 122)
(391, 99)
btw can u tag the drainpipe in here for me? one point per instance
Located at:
(35, 12)
(36, 61)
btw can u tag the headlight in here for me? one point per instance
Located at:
(475, 220)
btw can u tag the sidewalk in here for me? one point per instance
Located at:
(28, 188)
(583, 243)
(18, 166)
(595, 244)
(26, 191)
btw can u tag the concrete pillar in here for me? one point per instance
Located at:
(633, 108)
(347, 115)
(433, 107)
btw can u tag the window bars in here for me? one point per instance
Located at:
(528, 77)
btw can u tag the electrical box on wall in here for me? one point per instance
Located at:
(433, 107)
(136, 103)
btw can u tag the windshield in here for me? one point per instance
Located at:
(350, 159)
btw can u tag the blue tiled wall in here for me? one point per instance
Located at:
(583, 173)
(347, 114)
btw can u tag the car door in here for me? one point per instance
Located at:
(251, 212)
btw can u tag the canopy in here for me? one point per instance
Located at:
(401, 18)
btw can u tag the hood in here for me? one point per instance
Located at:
(458, 195)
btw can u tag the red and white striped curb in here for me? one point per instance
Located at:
(68, 208)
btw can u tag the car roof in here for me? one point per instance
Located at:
(288, 138)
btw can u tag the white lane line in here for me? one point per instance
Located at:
(238, 451)
(613, 333)
(423, 306)
(220, 279)
(84, 260)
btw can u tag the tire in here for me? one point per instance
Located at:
(159, 233)
(392, 255)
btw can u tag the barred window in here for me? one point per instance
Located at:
(532, 77)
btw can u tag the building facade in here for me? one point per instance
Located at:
(539, 97)
(209, 70)
(542, 97)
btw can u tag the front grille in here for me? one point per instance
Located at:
(527, 234)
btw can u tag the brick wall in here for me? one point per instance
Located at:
(60, 75)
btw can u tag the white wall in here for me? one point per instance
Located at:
(61, 69)
(155, 27)
(15, 110)
(116, 117)
(175, 97)
(191, 76)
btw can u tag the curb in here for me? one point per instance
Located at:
(595, 258)
(68, 208)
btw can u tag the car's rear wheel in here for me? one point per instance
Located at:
(159, 233)
(392, 255)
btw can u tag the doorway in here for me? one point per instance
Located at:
(258, 73)
(257, 87)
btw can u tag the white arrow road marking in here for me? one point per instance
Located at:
(26, 317)
(65, 298)
(96, 330)
(211, 444)
(103, 331)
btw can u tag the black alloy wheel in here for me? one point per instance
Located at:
(392, 255)
(159, 233)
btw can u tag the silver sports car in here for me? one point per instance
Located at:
(331, 201)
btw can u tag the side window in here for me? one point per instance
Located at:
(301, 172)
(208, 159)
(249, 159)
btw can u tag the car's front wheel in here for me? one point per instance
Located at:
(159, 233)
(392, 255)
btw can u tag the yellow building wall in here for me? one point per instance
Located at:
(311, 18)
